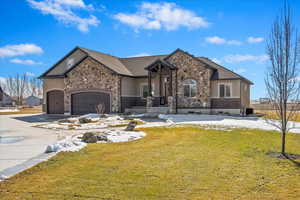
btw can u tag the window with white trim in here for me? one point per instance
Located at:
(224, 90)
(189, 88)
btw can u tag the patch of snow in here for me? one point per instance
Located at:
(9, 110)
(71, 144)
(96, 122)
(227, 121)
(137, 115)
(3, 177)
(123, 136)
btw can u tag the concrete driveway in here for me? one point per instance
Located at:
(29, 150)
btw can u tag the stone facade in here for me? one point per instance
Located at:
(191, 68)
(90, 75)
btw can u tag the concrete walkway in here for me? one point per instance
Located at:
(20, 155)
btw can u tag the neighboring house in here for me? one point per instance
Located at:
(5, 100)
(175, 83)
(33, 101)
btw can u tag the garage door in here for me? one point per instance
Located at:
(55, 102)
(86, 102)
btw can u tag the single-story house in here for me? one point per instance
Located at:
(33, 101)
(173, 83)
(5, 99)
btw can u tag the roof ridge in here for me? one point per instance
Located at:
(83, 48)
(142, 56)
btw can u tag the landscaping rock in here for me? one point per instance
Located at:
(102, 137)
(71, 120)
(84, 120)
(89, 137)
(131, 125)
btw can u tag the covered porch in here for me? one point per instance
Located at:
(163, 77)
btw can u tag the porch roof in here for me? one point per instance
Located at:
(163, 63)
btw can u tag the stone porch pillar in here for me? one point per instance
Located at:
(172, 104)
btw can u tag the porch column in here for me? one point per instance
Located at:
(159, 71)
(170, 84)
(149, 84)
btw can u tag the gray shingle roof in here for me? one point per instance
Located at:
(222, 73)
(135, 66)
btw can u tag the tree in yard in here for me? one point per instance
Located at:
(282, 81)
(16, 86)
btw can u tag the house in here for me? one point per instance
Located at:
(174, 83)
(5, 99)
(33, 101)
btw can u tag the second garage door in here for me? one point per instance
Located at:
(86, 102)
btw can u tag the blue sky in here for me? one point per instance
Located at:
(37, 33)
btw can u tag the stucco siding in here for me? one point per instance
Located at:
(245, 94)
(128, 87)
(235, 88)
(52, 84)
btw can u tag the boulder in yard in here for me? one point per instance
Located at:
(84, 120)
(131, 125)
(89, 137)
(102, 137)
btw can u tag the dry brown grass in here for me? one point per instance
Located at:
(33, 110)
(271, 114)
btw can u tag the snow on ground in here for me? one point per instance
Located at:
(123, 136)
(68, 144)
(9, 110)
(95, 122)
(74, 143)
(227, 121)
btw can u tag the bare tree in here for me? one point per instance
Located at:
(34, 87)
(282, 81)
(100, 108)
(16, 87)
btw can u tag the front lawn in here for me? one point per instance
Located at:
(169, 163)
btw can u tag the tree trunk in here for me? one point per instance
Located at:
(283, 143)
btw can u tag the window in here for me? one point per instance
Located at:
(189, 88)
(224, 90)
(144, 91)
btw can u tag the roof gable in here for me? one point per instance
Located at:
(222, 73)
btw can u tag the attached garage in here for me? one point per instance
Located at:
(86, 102)
(55, 102)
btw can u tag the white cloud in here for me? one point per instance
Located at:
(140, 55)
(19, 49)
(64, 11)
(29, 74)
(240, 71)
(255, 39)
(24, 62)
(163, 15)
(218, 40)
(215, 40)
(236, 58)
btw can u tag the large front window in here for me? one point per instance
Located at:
(224, 90)
(190, 88)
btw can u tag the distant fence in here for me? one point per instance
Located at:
(270, 107)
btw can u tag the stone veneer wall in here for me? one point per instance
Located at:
(190, 68)
(91, 75)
